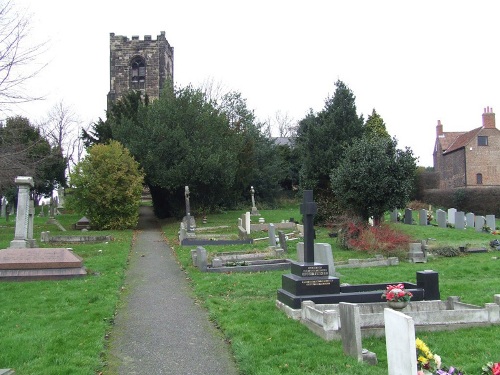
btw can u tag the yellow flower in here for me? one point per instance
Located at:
(422, 360)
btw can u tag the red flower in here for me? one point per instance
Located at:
(496, 369)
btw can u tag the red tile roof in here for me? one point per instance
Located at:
(460, 140)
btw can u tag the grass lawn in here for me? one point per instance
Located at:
(59, 327)
(265, 341)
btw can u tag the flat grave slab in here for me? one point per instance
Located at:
(39, 263)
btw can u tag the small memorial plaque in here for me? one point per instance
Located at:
(309, 269)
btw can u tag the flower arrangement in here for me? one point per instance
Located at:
(397, 293)
(491, 368)
(430, 363)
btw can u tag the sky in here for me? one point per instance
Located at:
(413, 62)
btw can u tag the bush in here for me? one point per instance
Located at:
(380, 239)
(446, 251)
(107, 187)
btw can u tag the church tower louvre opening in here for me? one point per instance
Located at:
(139, 64)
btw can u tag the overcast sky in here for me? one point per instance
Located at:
(414, 62)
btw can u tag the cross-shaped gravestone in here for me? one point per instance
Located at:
(308, 209)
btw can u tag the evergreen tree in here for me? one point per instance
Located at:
(375, 126)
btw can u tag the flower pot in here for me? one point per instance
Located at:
(397, 305)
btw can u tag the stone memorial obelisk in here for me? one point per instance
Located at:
(255, 211)
(189, 222)
(308, 280)
(24, 218)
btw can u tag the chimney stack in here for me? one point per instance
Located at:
(489, 118)
(439, 129)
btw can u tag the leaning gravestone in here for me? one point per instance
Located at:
(441, 218)
(459, 220)
(408, 216)
(282, 239)
(400, 343)
(451, 215)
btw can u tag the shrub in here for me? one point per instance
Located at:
(446, 251)
(380, 239)
(107, 187)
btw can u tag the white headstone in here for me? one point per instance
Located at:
(480, 221)
(350, 322)
(459, 220)
(451, 215)
(247, 222)
(469, 217)
(441, 218)
(400, 343)
(272, 235)
(490, 221)
(422, 217)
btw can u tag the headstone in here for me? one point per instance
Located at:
(3, 211)
(42, 207)
(322, 254)
(451, 215)
(31, 218)
(490, 222)
(416, 253)
(441, 218)
(394, 216)
(272, 235)
(408, 216)
(255, 212)
(400, 343)
(459, 220)
(350, 323)
(21, 237)
(282, 239)
(52, 212)
(429, 281)
(60, 196)
(201, 258)
(422, 217)
(186, 198)
(480, 222)
(247, 222)
(469, 217)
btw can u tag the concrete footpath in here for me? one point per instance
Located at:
(160, 329)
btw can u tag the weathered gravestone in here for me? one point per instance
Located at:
(480, 222)
(322, 254)
(469, 218)
(3, 211)
(394, 216)
(400, 343)
(23, 237)
(282, 239)
(272, 235)
(408, 219)
(451, 215)
(459, 220)
(188, 220)
(441, 218)
(490, 222)
(422, 217)
(255, 212)
(416, 254)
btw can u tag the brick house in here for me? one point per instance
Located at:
(137, 64)
(468, 159)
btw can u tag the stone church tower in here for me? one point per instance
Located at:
(137, 64)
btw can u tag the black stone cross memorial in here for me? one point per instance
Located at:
(308, 209)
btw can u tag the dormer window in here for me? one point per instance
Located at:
(137, 73)
(482, 140)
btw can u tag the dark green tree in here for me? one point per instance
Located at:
(374, 176)
(24, 151)
(375, 126)
(322, 137)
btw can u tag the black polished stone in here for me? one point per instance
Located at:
(308, 269)
(303, 286)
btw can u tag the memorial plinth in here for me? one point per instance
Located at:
(39, 263)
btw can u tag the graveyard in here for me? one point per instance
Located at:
(263, 339)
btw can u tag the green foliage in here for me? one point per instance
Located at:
(375, 126)
(446, 251)
(373, 177)
(216, 149)
(459, 198)
(24, 151)
(321, 137)
(107, 187)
